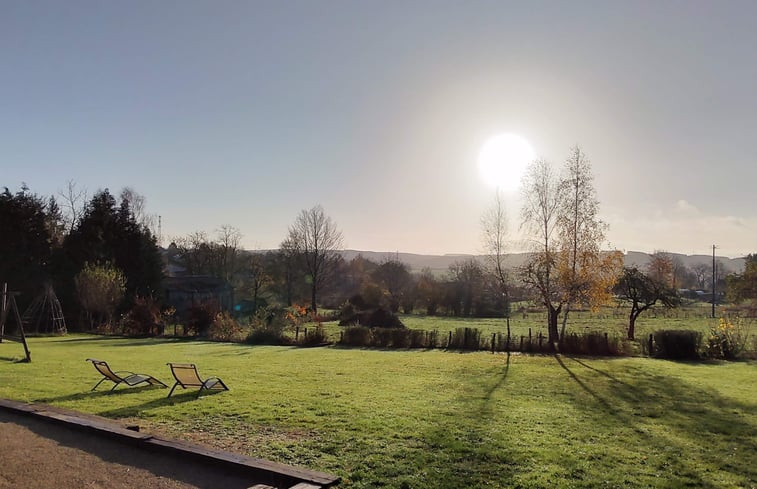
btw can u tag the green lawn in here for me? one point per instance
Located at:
(427, 419)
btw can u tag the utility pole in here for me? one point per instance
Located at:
(713, 281)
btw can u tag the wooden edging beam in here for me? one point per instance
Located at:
(263, 471)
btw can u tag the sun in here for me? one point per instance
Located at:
(503, 160)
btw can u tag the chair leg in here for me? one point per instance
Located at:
(172, 388)
(98, 384)
(114, 386)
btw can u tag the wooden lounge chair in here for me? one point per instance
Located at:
(186, 376)
(122, 376)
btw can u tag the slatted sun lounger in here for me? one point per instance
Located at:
(122, 376)
(186, 376)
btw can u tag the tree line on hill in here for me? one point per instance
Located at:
(103, 257)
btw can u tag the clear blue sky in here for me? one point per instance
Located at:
(244, 113)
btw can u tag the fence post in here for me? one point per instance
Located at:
(297, 333)
(449, 340)
(521, 342)
(530, 347)
(541, 337)
(341, 337)
(494, 337)
(651, 344)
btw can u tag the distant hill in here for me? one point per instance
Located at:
(440, 263)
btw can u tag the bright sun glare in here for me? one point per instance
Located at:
(503, 159)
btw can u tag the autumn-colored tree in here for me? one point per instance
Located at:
(660, 268)
(585, 276)
(567, 267)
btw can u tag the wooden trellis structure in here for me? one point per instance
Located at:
(7, 307)
(44, 314)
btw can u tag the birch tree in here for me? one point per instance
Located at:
(542, 195)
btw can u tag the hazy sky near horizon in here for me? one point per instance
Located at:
(244, 113)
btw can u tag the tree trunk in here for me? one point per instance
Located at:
(313, 291)
(632, 324)
(564, 321)
(553, 313)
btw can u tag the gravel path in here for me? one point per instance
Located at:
(41, 455)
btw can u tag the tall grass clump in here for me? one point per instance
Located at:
(465, 339)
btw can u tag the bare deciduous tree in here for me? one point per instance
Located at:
(257, 277)
(495, 232)
(700, 271)
(642, 292)
(138, 206)
(316, 240)
(228, 239)
(73, 201)
(542, 195)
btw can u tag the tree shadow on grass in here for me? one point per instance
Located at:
(687, 426)
(464, 450)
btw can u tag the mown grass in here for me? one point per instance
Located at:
(427, 419)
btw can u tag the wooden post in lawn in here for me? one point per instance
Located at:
(449, 340)
(651, 344)
(8, 303)
(21, 330)
(494, 338)
(2, 311)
